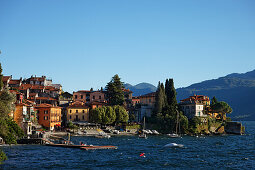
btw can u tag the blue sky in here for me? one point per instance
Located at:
(82, 44)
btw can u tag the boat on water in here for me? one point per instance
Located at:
(174, 145)
(155, 132)
(103, 136)
(143, 135)
(85, 147)
(173, 135)
(177, 127)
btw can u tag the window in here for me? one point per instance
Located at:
(45, 111)
(99, 97)
(75, 96)
(83, 117)
(83, 111)
(81, 96)
(93, 97)
(76, 117)
(76, 111)
(149, 100)
(70, 117)
(70, 111)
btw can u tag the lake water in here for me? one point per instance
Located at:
(214, 152)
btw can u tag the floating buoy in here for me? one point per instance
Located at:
(142, 154)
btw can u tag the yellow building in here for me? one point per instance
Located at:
(78, 111)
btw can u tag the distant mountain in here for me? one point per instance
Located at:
(238, 90)
(141, 88)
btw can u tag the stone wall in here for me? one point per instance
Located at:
(234, 128)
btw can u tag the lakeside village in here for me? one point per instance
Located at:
(42, 109)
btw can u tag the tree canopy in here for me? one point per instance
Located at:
(109, 115)
(115, 92)
(9, 130)
(166, 111)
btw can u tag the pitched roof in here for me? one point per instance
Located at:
(37, 78)
(197, 98)
(30, 86)
(5, 78)
(15, 81)
(153, 94)
(41, 98)
(46, 105)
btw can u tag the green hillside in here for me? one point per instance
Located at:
(236, 89)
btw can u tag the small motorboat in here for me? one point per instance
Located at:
(173, 145)
(155, 132)
(143, 136)
(173, 135)
(103, 135)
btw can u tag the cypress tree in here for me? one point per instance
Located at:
(159, 100)
(171, 96)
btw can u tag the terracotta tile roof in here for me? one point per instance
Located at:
(51, 88)
(5, 78)
(78, 106)
(197, 98)
(30, 86)
(41, 98)
(14, 81)
(46, 105)
(37, 78)
(83, 91)
(153, 94)
(15, 91)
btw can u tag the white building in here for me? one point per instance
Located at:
(195, 106)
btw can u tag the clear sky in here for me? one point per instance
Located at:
(82, 44)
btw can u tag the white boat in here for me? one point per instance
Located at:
(155, 132)
(173, 135)
(143, 135)
(177, 125)
(170, 145)
(103, 135)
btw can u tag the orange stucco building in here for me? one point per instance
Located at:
(48, 116)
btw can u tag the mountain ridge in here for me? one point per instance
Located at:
(237, 89)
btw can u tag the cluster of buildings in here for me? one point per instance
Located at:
(36, 104)
(196, 105)
(42, 104)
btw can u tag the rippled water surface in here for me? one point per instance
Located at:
(230, 151)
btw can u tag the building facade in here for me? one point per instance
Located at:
(48, 115)
(77, 112)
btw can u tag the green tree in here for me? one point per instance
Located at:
(114, 90)
(121, 114)
(9, 130)
(3, 157)
(171, 97)
(159, 99)
(214, 100)
(110, 115)
(223, 108)
(96, 115)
